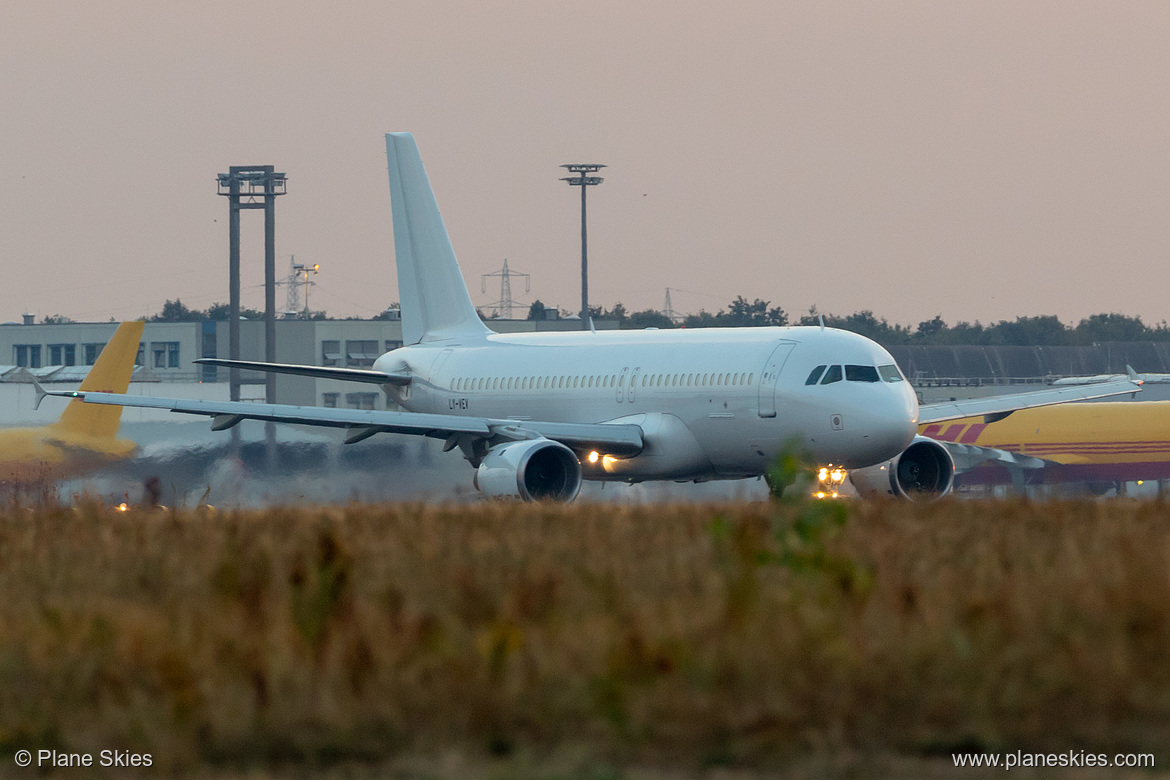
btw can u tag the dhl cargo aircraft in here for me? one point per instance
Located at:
(1100, 443)
(85, 436)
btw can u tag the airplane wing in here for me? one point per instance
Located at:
(968, 456)
(616, 439)
(324, 372)
(997, 407)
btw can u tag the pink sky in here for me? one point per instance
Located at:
(979, 160)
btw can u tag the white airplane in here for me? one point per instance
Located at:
(536, 413)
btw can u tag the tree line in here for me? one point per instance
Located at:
(1044, 330)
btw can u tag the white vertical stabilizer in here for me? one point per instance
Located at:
(434, 299)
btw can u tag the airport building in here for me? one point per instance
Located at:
(62, 353)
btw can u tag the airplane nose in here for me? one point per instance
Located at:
(890, 426)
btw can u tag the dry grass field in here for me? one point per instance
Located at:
(507, 640)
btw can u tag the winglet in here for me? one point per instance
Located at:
(591, 328)
(821, 317)
(1133, 377)
(40, 391)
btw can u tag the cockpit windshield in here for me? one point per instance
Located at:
(861, 374)
(827, 375)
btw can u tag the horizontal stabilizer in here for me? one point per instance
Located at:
(321, 372)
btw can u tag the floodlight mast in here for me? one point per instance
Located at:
(584, 181)
(252, 187)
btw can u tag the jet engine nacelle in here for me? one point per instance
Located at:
(923, 472)
(532, 469)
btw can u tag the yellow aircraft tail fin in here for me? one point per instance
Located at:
(110, 374)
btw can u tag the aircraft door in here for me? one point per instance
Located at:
(768, 376)
(438, 364)
(621, 385)
(633, 384)
(434, 377)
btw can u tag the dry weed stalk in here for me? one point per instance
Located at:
(693, 634)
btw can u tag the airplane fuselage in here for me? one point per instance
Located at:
(1115, 441)
(714, 403)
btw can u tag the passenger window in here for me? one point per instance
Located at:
(890, 373)
(861, 374)
(832, 375)
(815, 376)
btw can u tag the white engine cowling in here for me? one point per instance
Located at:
(923, 472)
(533, 470)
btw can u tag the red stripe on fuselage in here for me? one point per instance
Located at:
(972, 433)
(951, 433)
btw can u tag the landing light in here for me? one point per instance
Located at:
(829, 481)
(122, 507)
(593, 456)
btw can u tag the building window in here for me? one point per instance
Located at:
(331, 353)
(140, 358)
(62, 354)
(361, 353)
(391, 345)
(360, 400)
(27, 355)
(166, 354)
(91, 352)
(329, 400)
